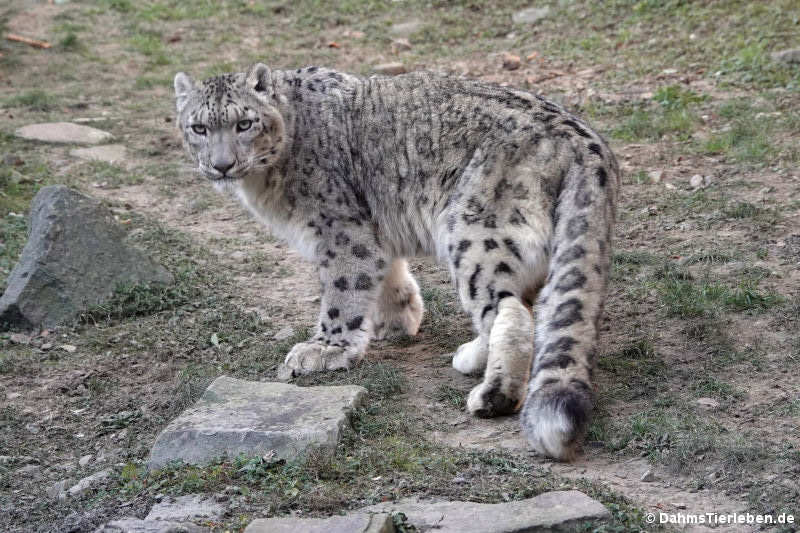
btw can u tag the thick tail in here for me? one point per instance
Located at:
(560, 394)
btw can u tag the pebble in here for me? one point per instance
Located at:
(68, 348)
(284, 333)
(85, 484)
(400, 45)
(648, 477)
(696, 181)
(390, 69)
(707, 403)
(791, 55)
(13, 395)
(531, 15)
(657, 176)
(83, 461)
(19, 338)
(59, 489)
(511, 61)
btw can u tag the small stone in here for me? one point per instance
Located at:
(390, 69)
(532, 15)
(648, 477)
(86, 484)
(68, 348)
(58, 488)
(46, 346)
(657, 176)
(511, 61)
(19, 338)
(706, 181)
(707, 403)
(696, 181)
(28, 470)
(361, 522)
(458, 480)
(189, 507)
(13, 395)
(63, 132)
(83, 461)
(284, 333)
(109, 153)
(789, 56)
(400, 45)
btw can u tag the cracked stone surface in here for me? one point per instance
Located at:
(189, 507)
(352, 523)
(551, 511)
(235, 416)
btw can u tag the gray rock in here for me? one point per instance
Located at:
(532, 15)
(648, 477)
(284, 333)
(189, 507)
(86, 484)
(352, 523)
(789, 56)
(551, 511)
(63, 132)
(110, 153)
(59, 489)
(135, 525)
(235, 416)
(83, 461)
(74, 258)
(707, 403)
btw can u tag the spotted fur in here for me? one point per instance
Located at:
(514, 194)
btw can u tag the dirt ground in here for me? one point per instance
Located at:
(697, 379)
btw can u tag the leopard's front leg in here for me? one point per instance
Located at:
(351, 271)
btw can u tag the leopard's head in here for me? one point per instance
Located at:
(230, 123)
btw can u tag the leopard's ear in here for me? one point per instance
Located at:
(259, 79)
(183, 86)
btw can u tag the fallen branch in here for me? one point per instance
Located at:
(31, 42)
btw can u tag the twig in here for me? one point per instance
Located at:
(31, 42)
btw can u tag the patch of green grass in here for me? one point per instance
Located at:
(687, 298)
(636, 370)
(152, 46)
(33, 99)
(654, 125)
(450, 395)
(677, 97)
(711, 386)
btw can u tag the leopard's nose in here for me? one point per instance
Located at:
(223, 166)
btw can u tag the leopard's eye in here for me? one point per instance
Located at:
(199, 129)
(243, 125)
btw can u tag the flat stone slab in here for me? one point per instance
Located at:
(63, 132)
(135, 525)
(245, 417)
(109, 153)
(551, 511)
(189, 507)
(352, 523)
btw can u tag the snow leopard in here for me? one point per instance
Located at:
(514, 194)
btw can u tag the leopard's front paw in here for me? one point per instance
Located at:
(315, 356)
